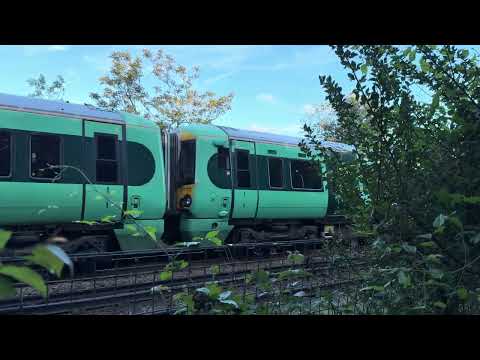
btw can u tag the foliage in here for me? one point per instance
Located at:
(49, 257)
(53, 91)
(174, 99)
(418, 161)
(210, 239)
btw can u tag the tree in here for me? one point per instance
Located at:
(173, 101)
(418, 160)
(54, 91)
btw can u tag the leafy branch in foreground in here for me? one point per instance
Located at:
(49, 257)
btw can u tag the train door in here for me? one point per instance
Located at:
(104, 198)
(245, 197)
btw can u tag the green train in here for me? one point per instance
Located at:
(79, 172)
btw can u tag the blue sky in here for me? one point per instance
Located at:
(274, 86)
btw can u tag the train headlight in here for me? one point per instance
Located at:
(186, 201)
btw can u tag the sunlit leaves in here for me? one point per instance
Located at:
(51, 258)
(54, 91)
(4, 237)
(25, 275)
(173, 100)
(166, 275)
(151, 231)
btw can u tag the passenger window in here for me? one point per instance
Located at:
(44, 153)
(107, 159)
(275, 172)
(305, 175)
(243, 172)
(5, 154)
(223, 159)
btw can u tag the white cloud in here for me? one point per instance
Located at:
(309, 109)
(32, 50)
(267, 98)
(57, 48)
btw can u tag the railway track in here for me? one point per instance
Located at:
(90, 263)
(108, 291)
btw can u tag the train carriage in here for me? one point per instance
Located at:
(67, 167)
(249, 185)
(76, 171)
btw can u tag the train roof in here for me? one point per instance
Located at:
(31, 104)
(258, 136)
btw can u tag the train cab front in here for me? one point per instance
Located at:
(202, 185)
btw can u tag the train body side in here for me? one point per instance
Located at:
(236, 191)
(104, 167)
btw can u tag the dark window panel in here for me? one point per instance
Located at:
(107, 171)
(5, 154)
(275, 172)
(223, 159)
(243, 179)
(45, 152)
(305, 175)
(242, 160)
(187, 162)
(106, 147)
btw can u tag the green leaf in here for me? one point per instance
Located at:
(212, 234)
(7, 290)
(435, 100)
(151, 231)
(203, 290)
(4, 237)
(436, 273)
(439, 220)
(216, 241)
(456, 222)
(296, 257)
(409, 248)
(25, 275)
(215, 290)
(108, 218)
(463, 54)
(224, 295)
(439, 304)
(364, 68)
(50, 257)
(86, 222)
(424, 65)
(133, 213)
(412, 55)
(404, 279)
(176, 265)
(434, 258)
(230, 302)
(215, 269)
(166, 275)
(131, 228)
(462, 294)
(476, 239)
(427, 244)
